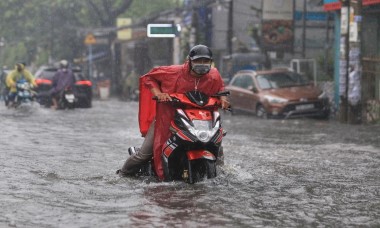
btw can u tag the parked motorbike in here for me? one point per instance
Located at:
(67, 99)
(194, 149)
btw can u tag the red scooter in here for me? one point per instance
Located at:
(194, 148)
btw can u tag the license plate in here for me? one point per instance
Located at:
(69, 97)
(305, 106)
(23, 94)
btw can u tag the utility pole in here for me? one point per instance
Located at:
(344, 61)
(51, 17)
(354, 115)
(230, 31)
(2, 45)
(193, 30)
(327, 46)
(304, 29)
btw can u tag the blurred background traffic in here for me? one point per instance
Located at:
(114, 42)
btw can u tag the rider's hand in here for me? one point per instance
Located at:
(162, 97)
(224, 102)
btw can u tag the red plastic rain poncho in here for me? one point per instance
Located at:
(169, 79)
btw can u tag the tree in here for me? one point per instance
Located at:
(106, 11)
(55, 27)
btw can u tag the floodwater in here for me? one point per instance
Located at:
(58, 170)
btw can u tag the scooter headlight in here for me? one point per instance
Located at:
(202, 129)
(203, 136)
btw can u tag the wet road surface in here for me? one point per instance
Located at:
(58, 170)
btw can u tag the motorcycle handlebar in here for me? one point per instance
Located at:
(219, 94)
(222, 94)
(174, 100)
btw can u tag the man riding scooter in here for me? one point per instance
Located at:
(62, 79)
(195, 74)
(17, 74)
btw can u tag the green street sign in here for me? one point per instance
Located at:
(163, 30)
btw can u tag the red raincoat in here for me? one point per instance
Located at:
(169, 79)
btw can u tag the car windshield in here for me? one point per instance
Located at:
(48, 73)
(78, 75)
(280, 80)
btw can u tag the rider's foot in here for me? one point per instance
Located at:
(133, 150)
(121, 173)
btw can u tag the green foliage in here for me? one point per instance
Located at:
(143, 8)
(326, 72)
(57, 28)
(42, 57)
(15, 54)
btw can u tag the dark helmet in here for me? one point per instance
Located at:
(200, 51)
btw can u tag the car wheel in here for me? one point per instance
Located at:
(232, 111)
(6, 101)
(89, 103)
(325, 115)
(261, 112)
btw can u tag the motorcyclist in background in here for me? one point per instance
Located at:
(3, 88)
(11, 80)
(62, 79)
(196, 74)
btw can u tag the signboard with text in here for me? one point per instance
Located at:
(124, 34)
(329, 5)
(90, 39)
(370, 2)
(277, 25)
(163, 30)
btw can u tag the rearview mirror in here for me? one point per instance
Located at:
(253, 89)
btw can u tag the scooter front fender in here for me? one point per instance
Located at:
(197, 154)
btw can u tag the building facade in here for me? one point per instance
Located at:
(357, 48)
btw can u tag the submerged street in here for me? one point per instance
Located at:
(58, 170)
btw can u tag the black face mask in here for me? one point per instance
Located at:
(200, 68)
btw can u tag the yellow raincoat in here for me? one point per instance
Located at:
(15, 75)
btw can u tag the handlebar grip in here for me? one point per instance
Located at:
(222, 93)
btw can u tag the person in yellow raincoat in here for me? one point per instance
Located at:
(17, 74)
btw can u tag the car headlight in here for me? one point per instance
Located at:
(273, 99)
(322, 95)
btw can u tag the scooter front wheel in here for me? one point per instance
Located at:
(193, 172)
(210, 168)
(70, 105)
